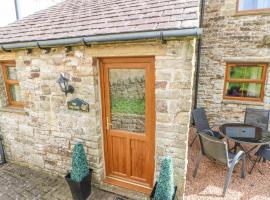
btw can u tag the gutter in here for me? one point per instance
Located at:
(198, 62)
(88, 40)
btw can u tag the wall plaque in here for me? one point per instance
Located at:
(78, 104)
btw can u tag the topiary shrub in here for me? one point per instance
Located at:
(80, 167)
(165, 184)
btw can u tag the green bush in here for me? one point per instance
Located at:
(80, 167)
(165, 183)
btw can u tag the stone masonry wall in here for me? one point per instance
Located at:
(129, 89)
(174, 89)
(131, 122)
(43, 134)
(229, 37)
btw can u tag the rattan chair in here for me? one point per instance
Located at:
(217, 150)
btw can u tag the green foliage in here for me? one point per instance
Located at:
(165, 183)
(129, 106)
(80, 167)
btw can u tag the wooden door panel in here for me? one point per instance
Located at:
(128, 108)
(138, 160)
(119, 155)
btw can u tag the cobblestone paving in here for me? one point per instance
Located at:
(21, 183)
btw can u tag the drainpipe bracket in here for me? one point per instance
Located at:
(162, 40)
(5, 50)
(85, 44)
(29, 51)
(47, 49)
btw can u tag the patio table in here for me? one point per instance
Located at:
(245, 134)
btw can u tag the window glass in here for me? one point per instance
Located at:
(251, 72)
(11, 72)
(127, 97)
(250, 90)
(15, 92)
(253, 4)
(12, 84)
(245, 82)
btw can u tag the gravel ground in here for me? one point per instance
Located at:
(208, 184)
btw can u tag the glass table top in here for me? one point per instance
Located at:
(244, 133)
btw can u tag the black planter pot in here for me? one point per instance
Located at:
(80, 190)
(154, 190)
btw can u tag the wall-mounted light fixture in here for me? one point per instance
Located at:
(65, 87)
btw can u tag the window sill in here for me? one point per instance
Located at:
(14, 110)
(256, 103)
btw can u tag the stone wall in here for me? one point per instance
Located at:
(43, 134)
(174, 89)
(130, 122)
(229, 37)
(128, 88)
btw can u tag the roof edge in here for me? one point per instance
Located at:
(88, 40)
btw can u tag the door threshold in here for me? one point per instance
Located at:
(128, 185)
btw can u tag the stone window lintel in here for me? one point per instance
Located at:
(247, 59)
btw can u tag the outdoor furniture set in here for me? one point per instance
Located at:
(214, 144)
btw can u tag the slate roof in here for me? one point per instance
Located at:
(74, 18)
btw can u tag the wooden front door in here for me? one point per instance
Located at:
(128, 89)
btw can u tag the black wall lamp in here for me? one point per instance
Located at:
(65, 87)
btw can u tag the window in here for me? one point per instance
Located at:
(245, 82)
(253, 5)
(12, 84)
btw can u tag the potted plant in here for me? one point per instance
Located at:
(164, 188)
(79, 179)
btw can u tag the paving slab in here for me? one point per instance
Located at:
(22, 183)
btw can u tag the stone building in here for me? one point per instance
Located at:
(131, 62)
(235, 54)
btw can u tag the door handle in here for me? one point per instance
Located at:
(108, 124)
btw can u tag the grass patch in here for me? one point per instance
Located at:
(128, 106)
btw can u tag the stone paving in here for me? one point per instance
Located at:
(21, 183)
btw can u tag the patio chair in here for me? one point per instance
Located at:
(259, 118)
(255, 117)
(201, 124)
(217, 150)
(263, 152)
